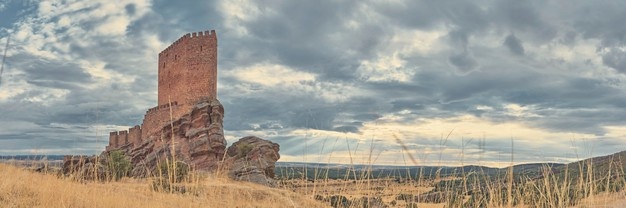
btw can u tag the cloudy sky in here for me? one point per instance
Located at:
(331, 81)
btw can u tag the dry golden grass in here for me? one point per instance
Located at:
(605, 200)
(22, 188)
(386, 189)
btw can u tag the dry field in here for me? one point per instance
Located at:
(387, 189)
(22, 188)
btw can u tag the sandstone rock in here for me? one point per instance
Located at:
(84, 167)
(198, 139)
(253, 159)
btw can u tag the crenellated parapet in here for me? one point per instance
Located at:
(118, 139)
(113, 141)
(122, 138)
(161, 107)
(209, 34)
(134, 135)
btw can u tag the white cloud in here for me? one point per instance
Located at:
(115, 25)
(519, 111)
(57, 25)
(261, 77)
(390, 65)
(418, 41)
(45, 7)
(48, 98)
(423, 136)
(64, 21)
(11, 88)
(270, 75)
(237, 11)
(386, 68)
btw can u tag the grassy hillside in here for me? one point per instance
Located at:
(587, 183)
(22, 188)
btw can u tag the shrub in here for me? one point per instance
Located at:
(244, 149)
(405, 197)
(167, 175)
(180, 171)
(339, 201)
(118, 165)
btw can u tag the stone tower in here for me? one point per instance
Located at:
(188, 69)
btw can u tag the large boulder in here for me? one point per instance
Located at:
(253, 159)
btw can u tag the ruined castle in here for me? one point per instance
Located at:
(187, 74)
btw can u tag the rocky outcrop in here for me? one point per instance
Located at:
(197, 139)
(84, 167)
(253, 159)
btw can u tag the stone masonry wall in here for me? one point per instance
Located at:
(188, 70)
(134, 135)
(158, 116)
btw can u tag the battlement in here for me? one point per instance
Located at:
(134, 128)
(160, 107)
(207, 34)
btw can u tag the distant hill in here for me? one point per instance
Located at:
(31, 157)
(343, 171)
(598, 167)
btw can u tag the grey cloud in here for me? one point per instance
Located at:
(367, 116)
(302, 112)
(352, 129)
(290, 37)
(527, 16)
(602, 20)
(616, 59)
(316, 118)
(427, 15)
(464, 62)
(514, 45)
(131, 9)
(50, 73)
(433, 93)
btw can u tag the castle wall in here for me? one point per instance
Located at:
(122, 138)
(112, 141)
(158, 116)
(134, 135)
